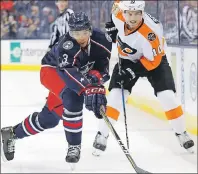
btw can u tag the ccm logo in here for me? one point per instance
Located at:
(95, 90)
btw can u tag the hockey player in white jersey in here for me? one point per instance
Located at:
(60, 26)
(142, 53)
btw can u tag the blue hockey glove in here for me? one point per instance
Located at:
(94, 98)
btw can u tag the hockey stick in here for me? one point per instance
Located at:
(124, 108)
(124, 149)
(125, 118)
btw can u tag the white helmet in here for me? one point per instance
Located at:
(131, 5)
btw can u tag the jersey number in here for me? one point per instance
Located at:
(63, 61)
(157, 50)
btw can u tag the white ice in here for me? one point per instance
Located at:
(153, 145)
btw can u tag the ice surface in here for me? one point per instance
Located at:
(153, 145)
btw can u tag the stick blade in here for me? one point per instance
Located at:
(139, 170)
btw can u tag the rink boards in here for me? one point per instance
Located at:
(26, 55)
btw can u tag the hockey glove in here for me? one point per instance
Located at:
(95, 77)
(94, 98)
(125, 76)
(111, 30)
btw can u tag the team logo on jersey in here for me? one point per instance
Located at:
(68, 45)
(108, 37)
(151, 36)
(125, 47)
(86, 68)
(129, 50)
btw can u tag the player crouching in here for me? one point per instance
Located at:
(141, 48)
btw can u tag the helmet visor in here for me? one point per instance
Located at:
(80, 34)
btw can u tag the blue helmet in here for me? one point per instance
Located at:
(79, 21)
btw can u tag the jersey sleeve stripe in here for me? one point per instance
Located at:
(150, 65)
(74, 79)
(75, 57)
(120, 16)
(117, 12)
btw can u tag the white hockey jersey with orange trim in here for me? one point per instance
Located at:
(146, 43)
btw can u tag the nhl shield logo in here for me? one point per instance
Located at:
(68, 45)
(151, 36)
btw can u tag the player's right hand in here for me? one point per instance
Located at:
(125, 76)
(94, 98)
(94, 77)
(111, 30)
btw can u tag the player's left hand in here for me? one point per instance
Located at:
(125, 76)
(111, 30)
(94, 98)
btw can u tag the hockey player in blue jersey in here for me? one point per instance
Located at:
(74, 72)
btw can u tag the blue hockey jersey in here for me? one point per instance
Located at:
(75, 62)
